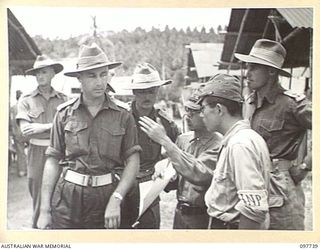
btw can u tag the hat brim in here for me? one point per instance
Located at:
(252, 59)
(76, 72)
(56, 66)
(147, 85)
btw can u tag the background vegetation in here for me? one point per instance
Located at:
(165, 49)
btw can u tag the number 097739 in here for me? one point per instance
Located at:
(306, 246)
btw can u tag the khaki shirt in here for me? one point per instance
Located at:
(35, 108)
(281, 118)
(94, 145)
(240, 183)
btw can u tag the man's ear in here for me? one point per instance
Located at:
(78, 77)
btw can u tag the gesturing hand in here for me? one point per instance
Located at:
(153, 129)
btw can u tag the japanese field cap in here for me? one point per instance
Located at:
(91, 57)
(146, 76)
(266, 52)
(223, 86)
(193, 100)
(44, 61)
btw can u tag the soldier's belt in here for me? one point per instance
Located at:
(88, 180)
(40, 142)
(190, 210)
(281, 164)
(215, 223)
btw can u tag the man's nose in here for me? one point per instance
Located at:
(101, 81)
(248, 73)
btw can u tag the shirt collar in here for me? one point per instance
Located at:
(270, 93)
(108, 103)
(239, 125)
(53, 92)
(203, 139)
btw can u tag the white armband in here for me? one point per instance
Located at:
(257, 199)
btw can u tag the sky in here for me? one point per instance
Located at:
(63, 22)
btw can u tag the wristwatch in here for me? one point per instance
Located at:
(117, 196)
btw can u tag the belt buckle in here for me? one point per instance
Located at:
(184, 207)
(90, 181)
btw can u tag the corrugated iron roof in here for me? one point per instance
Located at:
(206, 57)
(298, 17)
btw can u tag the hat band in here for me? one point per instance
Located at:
(42, 64)
(143, 78)
(85, 62)
(268, 56)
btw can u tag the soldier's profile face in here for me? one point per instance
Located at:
(210, 116)
(194, 120)
(257, 75)
(44, 76)
(94, 82)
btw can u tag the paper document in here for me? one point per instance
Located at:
(150, 190)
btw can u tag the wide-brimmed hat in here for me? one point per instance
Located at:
(223, 86)
(43, 61)
(146, 76)
(266, 52)
(91, 57)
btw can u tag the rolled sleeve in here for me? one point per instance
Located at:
(303, 113)
(132, 150)
(130, 144)
(57, 144)
(52, 152)
(22, 111)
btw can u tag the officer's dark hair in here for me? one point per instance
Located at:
(234, 108)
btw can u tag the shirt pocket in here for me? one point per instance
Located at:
(75, 134)
(271, 129)
(35, 113)
(110, 142)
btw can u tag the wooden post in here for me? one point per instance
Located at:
(243, 21)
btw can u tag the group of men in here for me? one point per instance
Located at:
(90, 156)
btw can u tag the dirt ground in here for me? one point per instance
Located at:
(19, 206)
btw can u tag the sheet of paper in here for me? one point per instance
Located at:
(150, 190)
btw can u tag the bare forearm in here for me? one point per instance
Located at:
(51, 174)
(30, 128)
(129, 174)
(46, 126)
